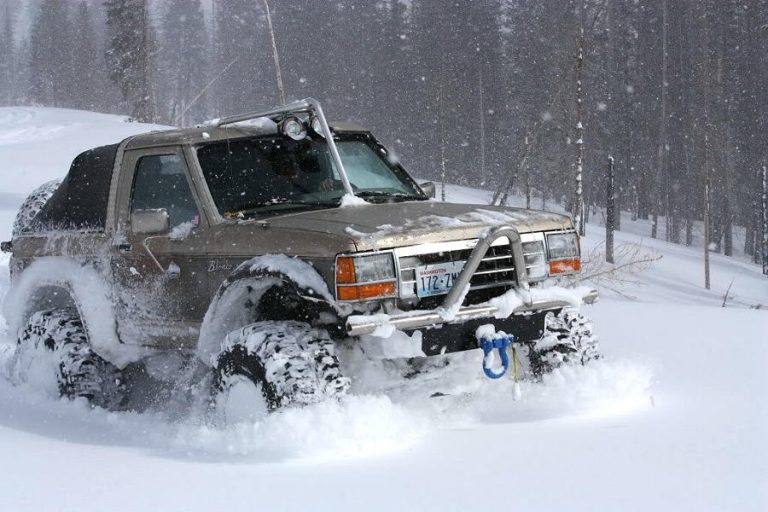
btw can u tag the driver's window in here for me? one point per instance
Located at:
(160, 182)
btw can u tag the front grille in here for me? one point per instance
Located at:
(496, 270)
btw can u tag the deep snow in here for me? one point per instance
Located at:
(674, 418)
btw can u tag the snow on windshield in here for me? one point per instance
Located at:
(276, 174)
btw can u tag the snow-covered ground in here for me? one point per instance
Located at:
(674, 417)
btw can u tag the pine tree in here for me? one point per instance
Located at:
(7, 58)
(89, 69)
(130, 55)
(184, 61)
(241, 37)
(50, 65)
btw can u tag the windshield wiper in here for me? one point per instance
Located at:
(275, 207)
(388, 195)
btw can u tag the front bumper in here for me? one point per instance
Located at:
(451, 312)
(358, 325)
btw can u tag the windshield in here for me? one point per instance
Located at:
(273, 175)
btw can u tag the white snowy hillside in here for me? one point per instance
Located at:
(673, 418)
(38, 144)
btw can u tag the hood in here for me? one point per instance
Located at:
(384, 226)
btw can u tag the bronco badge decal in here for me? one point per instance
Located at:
(219, 265)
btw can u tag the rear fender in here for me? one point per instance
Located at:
(59, 282)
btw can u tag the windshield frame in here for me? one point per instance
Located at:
(365, 137)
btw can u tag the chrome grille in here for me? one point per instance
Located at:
(496, 269)
(535, 260)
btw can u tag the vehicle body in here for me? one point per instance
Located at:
(171, 240)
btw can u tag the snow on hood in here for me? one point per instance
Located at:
(381, 226)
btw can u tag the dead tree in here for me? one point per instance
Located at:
(442, 144)
(610, 211)
(764, 218)
(707, 214)
(578, 204)
(662, 149)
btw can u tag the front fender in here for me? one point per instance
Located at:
(235, 303)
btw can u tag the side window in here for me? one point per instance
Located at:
(160, 182)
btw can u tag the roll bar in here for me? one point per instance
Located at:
(307, 105)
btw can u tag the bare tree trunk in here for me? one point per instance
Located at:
(635, 203)
(578, 206)
(500, 197)
(662, 149)
(610, 212)
(442, 143)
(482, 130)
(527, 172)
(749, 239)
(764, 219)
(707, 213)
(689, 231)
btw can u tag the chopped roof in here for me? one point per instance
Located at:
(203, 133)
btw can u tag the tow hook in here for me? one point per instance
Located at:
(500, 341)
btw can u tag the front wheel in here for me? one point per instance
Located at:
(268, 365)
(568, 341)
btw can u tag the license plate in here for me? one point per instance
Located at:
(437, 279)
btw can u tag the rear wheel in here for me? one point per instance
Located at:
(53, 352)
(275, 364)
(568, 340)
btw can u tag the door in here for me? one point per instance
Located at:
(160, 270)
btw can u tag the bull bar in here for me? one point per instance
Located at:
(451, 311)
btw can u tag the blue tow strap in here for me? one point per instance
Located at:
(500, 343)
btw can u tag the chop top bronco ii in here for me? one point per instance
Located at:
(259, 244)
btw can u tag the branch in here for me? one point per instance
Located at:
(629, 264)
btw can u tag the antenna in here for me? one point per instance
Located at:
(278, 70)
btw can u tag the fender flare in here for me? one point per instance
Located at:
(81, 285)
(245, 286)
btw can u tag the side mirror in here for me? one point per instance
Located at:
(150, 222)
(429, 188)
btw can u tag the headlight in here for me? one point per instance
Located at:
(370, 276)
(535, 260)
(563, 252)
(562, 245)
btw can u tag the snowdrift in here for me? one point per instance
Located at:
(673, 418)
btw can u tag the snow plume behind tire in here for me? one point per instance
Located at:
(289, 362)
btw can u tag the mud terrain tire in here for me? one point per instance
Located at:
(568, 340)
(57, 339)
(288, 362)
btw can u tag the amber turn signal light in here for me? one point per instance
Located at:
(345, 271)
(569, 266)
(365, 291)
